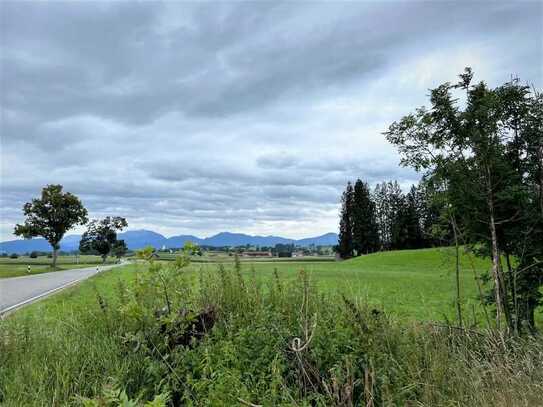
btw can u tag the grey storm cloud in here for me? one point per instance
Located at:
(247, 116)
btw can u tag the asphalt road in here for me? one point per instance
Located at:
(18, 291)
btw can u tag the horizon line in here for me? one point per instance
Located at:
(187, 234)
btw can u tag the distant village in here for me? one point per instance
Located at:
(248, 251)
(245, 251)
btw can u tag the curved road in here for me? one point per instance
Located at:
(18, 291)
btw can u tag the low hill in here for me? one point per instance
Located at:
(179, 241)
(413, 284)
(240, 239)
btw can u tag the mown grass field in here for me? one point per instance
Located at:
(42, 264)
(413, 284)
(81, 343)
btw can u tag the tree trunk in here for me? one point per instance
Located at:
(513, 287)
(496, 270)
(527, 315)
(54, 257)
(540, 158)
(104, 258)
(457, 252)
(531, 317)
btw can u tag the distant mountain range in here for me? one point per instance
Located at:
(136, 239)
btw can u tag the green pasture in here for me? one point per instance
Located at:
(412, 284)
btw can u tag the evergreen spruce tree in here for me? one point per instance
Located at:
(365, 232)
(345, 244)
(382, 209)
(396, 218)
(412, 219)
(434, 212)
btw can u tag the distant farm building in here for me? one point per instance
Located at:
(256, 254)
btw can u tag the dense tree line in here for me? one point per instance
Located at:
(388, 219)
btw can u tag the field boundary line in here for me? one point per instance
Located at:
(48, 272)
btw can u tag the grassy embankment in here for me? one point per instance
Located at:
(42, 264)
(106, 330)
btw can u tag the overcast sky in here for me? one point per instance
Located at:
(246, 117)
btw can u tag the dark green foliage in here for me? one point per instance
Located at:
(387, 219)
(389, 202)
(13, 256)
(33, 255)
(397, 226)
(101, 237)
(488, 158)
(404, 221)
(364, 224)
(432, 203)
(345, 245)
(119, 248)
(411, 218)
(283, 250)
(51, 216)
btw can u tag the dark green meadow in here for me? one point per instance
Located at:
(369, 331)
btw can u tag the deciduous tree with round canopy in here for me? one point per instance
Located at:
(101, 236)
(51, 216)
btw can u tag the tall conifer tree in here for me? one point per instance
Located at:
(365, 232)
(412, 219)
(345, 244)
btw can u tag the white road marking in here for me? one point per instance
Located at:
(6, 310)
(37, 297)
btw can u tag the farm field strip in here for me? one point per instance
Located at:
(19, 267)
